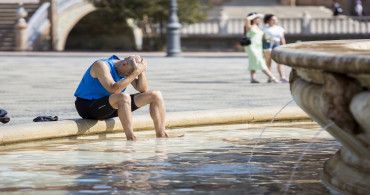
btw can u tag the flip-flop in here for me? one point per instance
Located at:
(4, 119)
(45, 118)
(3, 112)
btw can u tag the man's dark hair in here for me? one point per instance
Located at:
(267, 18)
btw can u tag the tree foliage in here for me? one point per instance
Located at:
(189, 11)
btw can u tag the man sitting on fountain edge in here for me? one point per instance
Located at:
(100, 94)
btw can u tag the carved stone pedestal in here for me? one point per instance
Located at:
(330, 81)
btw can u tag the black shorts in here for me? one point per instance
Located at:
(99, 108)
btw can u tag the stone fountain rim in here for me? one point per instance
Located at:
(340, 56)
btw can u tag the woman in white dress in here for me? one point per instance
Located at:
(273, 37)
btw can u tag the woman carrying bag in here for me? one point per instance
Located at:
(254, 50)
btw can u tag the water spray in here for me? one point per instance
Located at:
(301, 156)
(251, 155)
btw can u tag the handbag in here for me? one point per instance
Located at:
(245, 41)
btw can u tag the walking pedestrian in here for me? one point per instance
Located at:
(359, 10)
(254, 50)
(337, 10)
(273, 37)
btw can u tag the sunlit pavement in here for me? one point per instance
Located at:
(43, 83)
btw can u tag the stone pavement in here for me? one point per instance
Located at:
(33, 84)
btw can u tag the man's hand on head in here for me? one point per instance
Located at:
(139, 66)
(143, 61)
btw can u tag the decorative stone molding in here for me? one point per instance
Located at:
(338, 91)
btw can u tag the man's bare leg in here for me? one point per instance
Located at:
(157, 109)
(122, 102)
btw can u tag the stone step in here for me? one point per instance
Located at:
(8, 18)
(7, 37)
(3, 13)
(13, 11)
(7, 40)
(8, 44)
(15, 5)
(6, 26)
(7, 32)
(7, 48)
(7, 21)
(11, 20)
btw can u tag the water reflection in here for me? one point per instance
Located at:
(209, 159)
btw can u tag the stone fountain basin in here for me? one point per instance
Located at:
(350, 57)
(330, 81)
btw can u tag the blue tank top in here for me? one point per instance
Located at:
(90, 88)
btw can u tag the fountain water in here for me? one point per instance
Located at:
(263, 130)
(208, 160)
(301, 157)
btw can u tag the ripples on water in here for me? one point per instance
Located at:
(209, 159)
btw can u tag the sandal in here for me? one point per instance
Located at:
(274, 80)
(284, 80)
(3, 118)
(254, 81)
(45, 118)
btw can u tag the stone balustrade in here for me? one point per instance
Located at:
(293, 26)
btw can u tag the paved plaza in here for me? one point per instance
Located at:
(33, 84)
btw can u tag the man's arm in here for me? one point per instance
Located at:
(141, 83)
(101, 71)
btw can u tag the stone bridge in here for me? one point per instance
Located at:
(49, 25)
(65, 15)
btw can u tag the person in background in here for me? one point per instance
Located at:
(359, 10)
(273, 37)
(337, 10)
(254, 50)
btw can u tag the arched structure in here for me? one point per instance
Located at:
(49, 26)
(66, 18)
